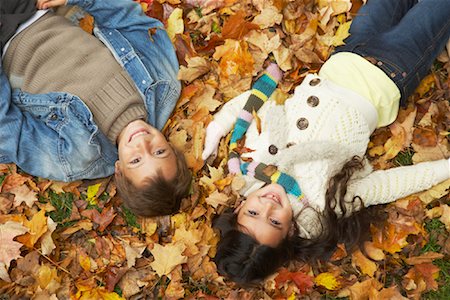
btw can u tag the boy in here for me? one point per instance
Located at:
(77, 108)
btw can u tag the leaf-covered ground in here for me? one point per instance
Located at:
(77, 241)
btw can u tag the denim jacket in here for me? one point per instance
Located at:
(53, 135)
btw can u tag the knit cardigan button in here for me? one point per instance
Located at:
(314, 82)
(312, 101)
(302, 123)
(273, 149)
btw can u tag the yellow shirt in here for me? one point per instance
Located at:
(351, 71)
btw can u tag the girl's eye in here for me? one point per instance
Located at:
(252, 213)
(135, 161)
(275, 222)
(160, 151)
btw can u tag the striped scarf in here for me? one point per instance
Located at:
(261, 91)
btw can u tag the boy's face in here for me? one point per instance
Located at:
(143, 150)
(266, 215)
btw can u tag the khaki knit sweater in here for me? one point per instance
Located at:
(52, 55)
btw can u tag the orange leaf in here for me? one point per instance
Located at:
(237, 27)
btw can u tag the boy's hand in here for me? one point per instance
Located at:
(213, 135)
(45, 4)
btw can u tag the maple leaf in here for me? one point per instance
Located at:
(23, 194)
(197, 66)
(189, 239)
(341, 34)
(167, 258)
(268, 17)
(360, 290)
(327, 280)
(132, 253)
(103, 219)
(373, 252)
(9, 249)
(236, 27)
(401, 136)
(47, 243)
(366, 266)
(175, 23)
(37, 227)
(216, 198)
(303, 281)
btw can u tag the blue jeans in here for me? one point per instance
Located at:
(403, 37)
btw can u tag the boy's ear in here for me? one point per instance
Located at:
(116, 168)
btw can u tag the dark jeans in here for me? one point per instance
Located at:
(402, 36)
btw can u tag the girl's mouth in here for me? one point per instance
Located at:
(274, 197)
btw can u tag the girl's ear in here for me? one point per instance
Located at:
(291, 231)
(237, 209)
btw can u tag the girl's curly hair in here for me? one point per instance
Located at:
(245, 261)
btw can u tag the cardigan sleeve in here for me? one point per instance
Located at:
(228, 114)
(385, 186)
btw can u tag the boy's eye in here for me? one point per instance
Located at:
(135, 161)
(252, 212)
(160, 151)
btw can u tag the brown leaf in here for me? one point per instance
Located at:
(103, 219)
(167, 257)
(236, 27)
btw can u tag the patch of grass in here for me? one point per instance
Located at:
(404, 158)
(435, 228)
(63, 204)
(130, 217)
(444, 276)
(2, 177)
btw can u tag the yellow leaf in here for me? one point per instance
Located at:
(47, 243)
(175, 23)
(85, 261)
(367, 266)
(45, 275)
(327, 280)
(37, 226)
(293, 296)
(216, 199)
(92, 192)
(425, 85)
(341, 34)
(445, 218)
(167, 258)
(189, 238)
(436, 192)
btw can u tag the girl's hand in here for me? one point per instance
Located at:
(45, 4)
(213, 135)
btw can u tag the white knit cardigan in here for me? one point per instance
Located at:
(315, 132)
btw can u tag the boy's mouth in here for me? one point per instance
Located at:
(137, 133)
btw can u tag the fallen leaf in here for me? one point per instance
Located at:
(328, 281)
(9, 249)
(23, 194)
(167, 257)
(175, 24)
(37, 227)
(366, 266)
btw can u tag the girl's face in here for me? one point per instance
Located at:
(266, 215)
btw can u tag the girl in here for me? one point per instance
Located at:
(318, 137)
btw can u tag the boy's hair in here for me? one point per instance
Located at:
(245, 261)
(158, 196)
